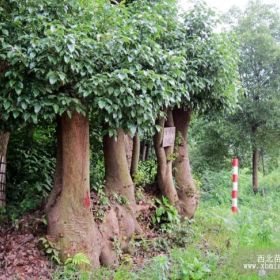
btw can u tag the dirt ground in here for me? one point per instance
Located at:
(22, 257)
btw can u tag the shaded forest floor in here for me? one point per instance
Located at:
(215, 245)
(20, 254)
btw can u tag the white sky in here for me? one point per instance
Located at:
(225, 5)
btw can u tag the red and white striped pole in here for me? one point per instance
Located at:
(234, 193)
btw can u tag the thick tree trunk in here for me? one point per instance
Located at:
(117, 175)
(187, 191)
(118, 180)
(4, 140)
(135, 155)
(70, 221)
(255, 163)
(164, 158)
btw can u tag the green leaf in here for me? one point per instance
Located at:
(34, 118)
(52, 77)
(5, 32)
(121, 76)
(101, 104)
(71, 48)
(18, 87)
(23, 106)
(7, 104)
(26, 116)
(15, 114)
(37, 108)
(56, 108)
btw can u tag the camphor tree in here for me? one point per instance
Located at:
(258, 111)
(136, 79)
(65, 60)
(47, 53)
(210, 78)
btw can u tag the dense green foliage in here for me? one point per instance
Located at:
(123, 64)
(110, 58)
(212, 57)
(38, 44)
(31, 168)
(75, 62)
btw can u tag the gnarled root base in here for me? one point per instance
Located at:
(75, 232)
(71, 224)
(117, 230)
(188, 201)
(187, 192)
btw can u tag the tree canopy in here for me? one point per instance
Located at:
(61, 57)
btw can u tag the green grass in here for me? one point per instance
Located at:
(217, 243)
(271, 180)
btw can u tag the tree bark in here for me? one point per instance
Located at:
(117, 175)
(135, 155)
(185, 184)
(164, 158)
(4, 140)
(118, 180)
(128, 141)
(255, 163)
(143, 150)
(148, 150)
(70, 221)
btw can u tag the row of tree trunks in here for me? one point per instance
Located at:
(71, 223)
(4, 140)
(183, 194)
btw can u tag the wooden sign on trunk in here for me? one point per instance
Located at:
(168, 136)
